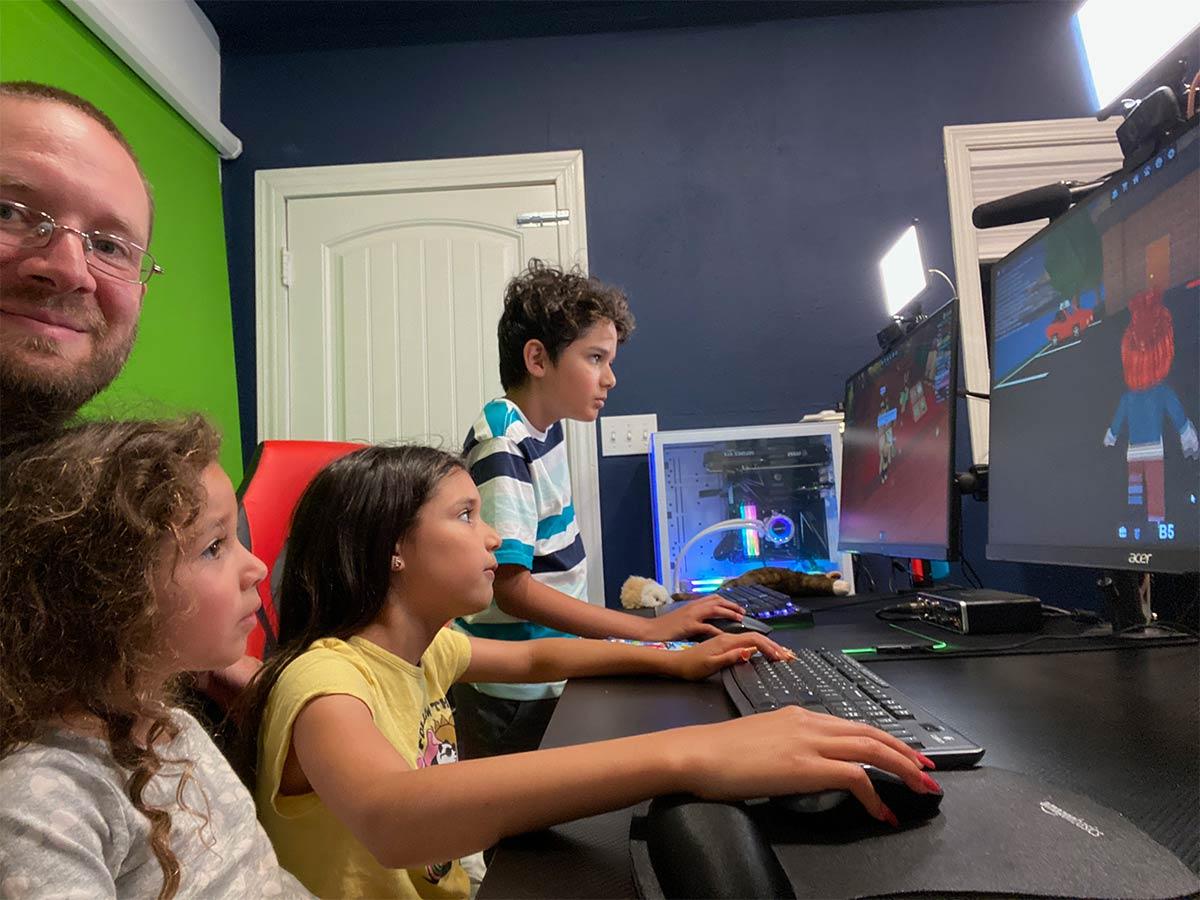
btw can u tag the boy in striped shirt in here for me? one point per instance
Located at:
(558, 338)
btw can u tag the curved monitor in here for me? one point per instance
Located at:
(898, 447)
(1095, 395)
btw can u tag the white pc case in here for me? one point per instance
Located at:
(786, 478)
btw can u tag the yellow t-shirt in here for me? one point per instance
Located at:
(409, 706)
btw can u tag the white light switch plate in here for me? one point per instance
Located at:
(626, 435)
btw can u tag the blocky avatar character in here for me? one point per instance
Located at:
(1147, 351)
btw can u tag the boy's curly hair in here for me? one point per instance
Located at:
(88, 519)
(546, 304)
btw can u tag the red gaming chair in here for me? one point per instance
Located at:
(277, 476)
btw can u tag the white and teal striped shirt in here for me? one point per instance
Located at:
(525, 486)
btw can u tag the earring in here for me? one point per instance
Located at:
(397, 564)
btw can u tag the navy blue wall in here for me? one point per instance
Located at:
(741, 182)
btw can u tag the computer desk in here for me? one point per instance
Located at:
(1121, 726)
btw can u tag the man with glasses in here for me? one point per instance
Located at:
(75, 222)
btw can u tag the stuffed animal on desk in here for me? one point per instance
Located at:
(645, 593)
(793, 583)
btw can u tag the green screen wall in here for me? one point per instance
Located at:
(183, 358)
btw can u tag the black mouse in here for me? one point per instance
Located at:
(842, 806)
(733, 626)
(701, 848)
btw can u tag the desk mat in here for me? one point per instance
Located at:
(998, 834)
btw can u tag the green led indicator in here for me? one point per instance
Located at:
(854, 651)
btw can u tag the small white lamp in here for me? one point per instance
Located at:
(903, 271)
(1122, 41)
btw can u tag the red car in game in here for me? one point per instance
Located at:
(1069, 321)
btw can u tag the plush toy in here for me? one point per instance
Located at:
(643, 593)
(793, 583)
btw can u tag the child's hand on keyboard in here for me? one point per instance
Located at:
(717, 653)
(794, 751)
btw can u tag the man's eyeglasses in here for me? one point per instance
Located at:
(116, 256)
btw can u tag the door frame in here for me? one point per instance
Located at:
(992, 160)
(273, 188)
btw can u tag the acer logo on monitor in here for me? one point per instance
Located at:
(1140, 559)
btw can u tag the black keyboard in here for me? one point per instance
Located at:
(830, 681)
(767, 605)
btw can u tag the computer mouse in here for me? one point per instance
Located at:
(701, 848)
(843, 807)
(733, 626)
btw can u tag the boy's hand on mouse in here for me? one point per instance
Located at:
(795, 752)
(717, 653)
(688, 621)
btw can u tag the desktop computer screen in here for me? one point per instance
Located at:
(898, 447)
(1095, 395)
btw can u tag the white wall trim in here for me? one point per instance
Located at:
(273, 188)
(986, 162)
(120, 31)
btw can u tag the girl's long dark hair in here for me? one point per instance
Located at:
(338, 561)
(85, 519)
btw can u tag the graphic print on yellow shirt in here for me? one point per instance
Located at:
(437, 745)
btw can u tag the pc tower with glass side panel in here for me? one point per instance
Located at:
(898, 495)
(772, 488)
(1095, 394)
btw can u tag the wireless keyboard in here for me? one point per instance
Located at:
(829, 681)
(767, 605)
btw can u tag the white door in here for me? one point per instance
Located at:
(384, 327)
(393, 308)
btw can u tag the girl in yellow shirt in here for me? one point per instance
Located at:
(349, 730)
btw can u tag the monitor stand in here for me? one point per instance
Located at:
(1127, 601)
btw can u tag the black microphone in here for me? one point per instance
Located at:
(1046, 202)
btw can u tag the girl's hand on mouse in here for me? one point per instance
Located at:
(795, 752)
(717, 653)
(688, 621)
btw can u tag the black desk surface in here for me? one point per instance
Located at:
(1121, 726)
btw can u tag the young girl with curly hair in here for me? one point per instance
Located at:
(120, 569)
(348, 731)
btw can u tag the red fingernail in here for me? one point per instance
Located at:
(932, 786)
(890, 817)
(746, 654)
(926, 761)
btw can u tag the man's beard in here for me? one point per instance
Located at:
(33, 403)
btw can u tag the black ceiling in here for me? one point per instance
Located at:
(277, 26)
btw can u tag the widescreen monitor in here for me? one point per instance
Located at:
(1095, 394)
(898, 447)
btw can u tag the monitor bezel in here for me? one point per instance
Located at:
(950, 551)
(1137, 559)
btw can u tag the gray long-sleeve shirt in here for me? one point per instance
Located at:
(69, 829)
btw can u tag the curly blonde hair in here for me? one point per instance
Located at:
(85, 518)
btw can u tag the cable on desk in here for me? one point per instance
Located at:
(898, 612)
(969, 571)
(939, 645)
